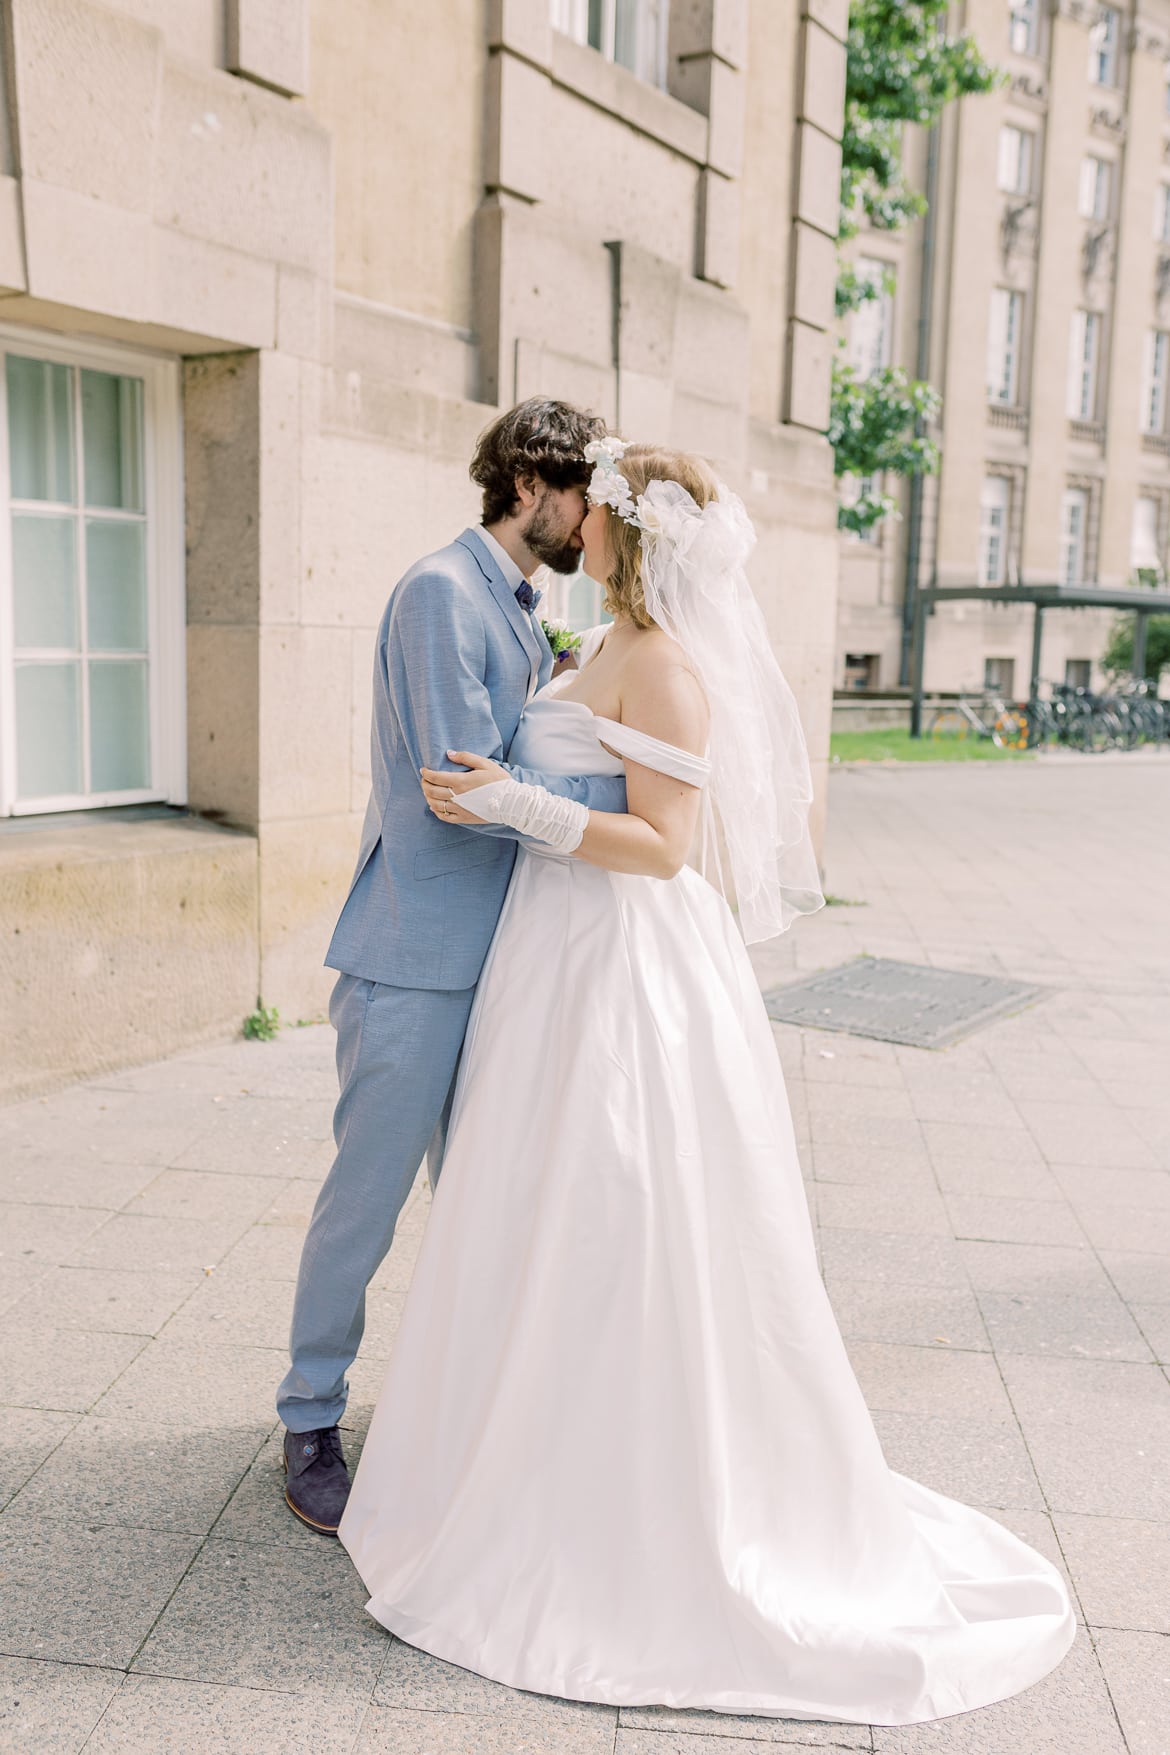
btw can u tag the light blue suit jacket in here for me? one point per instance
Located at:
(456, 657)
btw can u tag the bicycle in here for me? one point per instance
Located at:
(989, 716)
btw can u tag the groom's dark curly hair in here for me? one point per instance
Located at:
(538, 437)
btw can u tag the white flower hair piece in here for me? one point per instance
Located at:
(607, 485)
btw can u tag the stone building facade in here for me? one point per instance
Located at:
(266, 272)
(1043, 282)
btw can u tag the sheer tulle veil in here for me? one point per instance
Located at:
(754, 841)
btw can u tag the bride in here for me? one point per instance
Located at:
(620, 1455)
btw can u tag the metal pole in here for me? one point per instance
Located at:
(1140, 628)
(918, 656)
(921, 370)
(1037, 637)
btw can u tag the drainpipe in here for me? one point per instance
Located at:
(921, 370)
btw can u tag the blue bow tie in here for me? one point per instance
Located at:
(526, 597)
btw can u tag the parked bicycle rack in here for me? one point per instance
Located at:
(1143, 603)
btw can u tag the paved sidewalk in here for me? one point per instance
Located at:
(995, 1227)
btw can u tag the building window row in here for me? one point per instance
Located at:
(1000, 532)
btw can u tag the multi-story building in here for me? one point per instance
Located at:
(1036, 297)
(267, 271)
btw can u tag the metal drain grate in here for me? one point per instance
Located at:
(898, 1002)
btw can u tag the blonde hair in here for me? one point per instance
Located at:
(642, 464)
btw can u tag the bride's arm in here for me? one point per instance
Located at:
(654, 837)
(660, 697)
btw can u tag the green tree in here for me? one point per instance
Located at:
(901, 67)
(1118, 659)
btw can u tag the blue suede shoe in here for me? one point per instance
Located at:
(318, 1480)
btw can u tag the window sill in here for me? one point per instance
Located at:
(587, 74)
(104, 837)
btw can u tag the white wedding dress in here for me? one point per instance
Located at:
(620, 1454)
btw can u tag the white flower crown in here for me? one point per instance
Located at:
(607, 485)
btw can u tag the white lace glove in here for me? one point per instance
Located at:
(559, 822)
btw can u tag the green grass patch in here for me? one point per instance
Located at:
(892, 744)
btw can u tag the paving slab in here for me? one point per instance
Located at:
(83, 1595)
(50, 1709)
(921, 1316)
(150, 1241)
(65, 1369)
(1088, 1328)
(161, 1716)
(721, 1729)
(1137, 1669)
(141, 1475)
(869, 1207)
(115, 1299)
(930, 1381)
(27, 1437)
(963, 1458)
(892, 1256)
(648, 1742)
(1061, 1272)
(259, 1616)
(1140, 1277)
(1121, 1566)
(45, 1233)
(1000, 1219)
(386, 1731)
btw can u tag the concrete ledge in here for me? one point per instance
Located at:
(121, 941)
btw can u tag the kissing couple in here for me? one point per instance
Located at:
(619, 1455)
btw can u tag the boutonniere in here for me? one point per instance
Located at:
(562, 639)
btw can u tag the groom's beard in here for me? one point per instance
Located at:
(549, 544)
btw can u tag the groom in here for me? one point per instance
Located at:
(459, 652)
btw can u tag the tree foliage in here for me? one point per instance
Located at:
(1118, 658)
(877, 426)
(901, 67)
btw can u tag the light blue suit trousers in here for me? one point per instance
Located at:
(455, 662)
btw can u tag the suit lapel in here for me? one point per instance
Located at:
(521, 622)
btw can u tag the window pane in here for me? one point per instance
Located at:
(48, 730)
(119, 738)
(115, 565)
(40, 430)
(44, 579)
(596, 21)
(111, 426)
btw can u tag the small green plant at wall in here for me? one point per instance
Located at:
(262, 1024)
(901, 67)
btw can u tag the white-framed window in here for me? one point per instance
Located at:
(1105, 46)
(1083, 355)
(1003, 345)
(1154, 385)
(1074, 528)
(92, 708)
(1025, 27)
(1014, 171)
(871, 326)
(1162, 214)
(995, 502)
(1145, 551)
(1095, 199)
(631, 32)
(1078, 672)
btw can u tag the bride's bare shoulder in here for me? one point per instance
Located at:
(660, 692)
